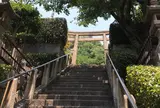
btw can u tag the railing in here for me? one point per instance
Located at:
(13, 59)
(120, 92)
(26, 85)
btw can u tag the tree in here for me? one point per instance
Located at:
(29, 21)
(89, 11)
(53, 30)
(90, 53)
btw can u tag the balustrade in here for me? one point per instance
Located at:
(120, 92)
(36, 80)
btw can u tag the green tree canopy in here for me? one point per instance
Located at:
(126, 13)
(29, 21)
(90, 53)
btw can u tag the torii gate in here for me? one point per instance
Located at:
(74, 37)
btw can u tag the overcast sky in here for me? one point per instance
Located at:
(101, 24)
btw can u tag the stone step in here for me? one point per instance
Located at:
(78, 88)
(94, 71)
(85, 73)
(83, 77)
(83, 82)
(77, 107)
(65, 102)
(74, 97)
(88, 69)
(78, 92)
(79, 85)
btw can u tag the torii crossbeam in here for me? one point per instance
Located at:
(75, 37)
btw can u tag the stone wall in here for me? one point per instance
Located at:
(41, 48)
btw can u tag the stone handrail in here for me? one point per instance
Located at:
(32, 81)
(120, 92)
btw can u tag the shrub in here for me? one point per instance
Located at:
(40, 58)
(53, 31)
(123, 56)
(25, 38)
(144, 83)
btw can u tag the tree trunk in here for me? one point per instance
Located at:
(128, 31)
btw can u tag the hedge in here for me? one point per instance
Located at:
(53, 30)
(144, 83)
(123, 56)
(40, 58)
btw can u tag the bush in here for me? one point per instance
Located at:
(144, 83)
(123, 56)
(25, 38)
(41, 58)
(4, 71)
(53, 31)
(29, 18)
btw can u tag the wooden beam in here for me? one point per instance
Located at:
(87, 39)
(91, 33)
(11, 96)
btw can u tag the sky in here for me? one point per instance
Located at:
(72, 26)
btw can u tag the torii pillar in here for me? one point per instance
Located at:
(75, 50)
(105, 45)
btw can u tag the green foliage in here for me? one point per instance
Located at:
(144, 83)
(29, 20)
(90, 53)
(53, 30)
(25, 38)
(123, 56)
(90, 10)
(138, 14)
(41, 58)
(4, 71)
(124, 12)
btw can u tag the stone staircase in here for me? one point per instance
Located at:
(80, 87)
